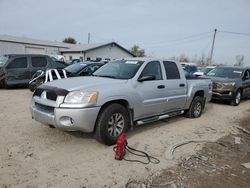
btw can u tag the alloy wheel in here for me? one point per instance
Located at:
(115, 124)
(197, 109)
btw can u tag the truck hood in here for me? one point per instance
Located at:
(86, 82)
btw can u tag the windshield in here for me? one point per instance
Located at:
(120, 69)
(75, 68)
(208, 70)
(225, 73)
(3, 60)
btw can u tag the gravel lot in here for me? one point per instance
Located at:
(34, 155)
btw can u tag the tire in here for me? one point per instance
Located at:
(237, 98)
(111, 122)
(5, 85)
(196, 108)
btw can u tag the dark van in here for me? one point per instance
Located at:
(18, 69)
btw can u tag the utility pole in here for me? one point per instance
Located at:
(212, 50)
(88, 38)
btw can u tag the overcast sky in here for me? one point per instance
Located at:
(164, 28)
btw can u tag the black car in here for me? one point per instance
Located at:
(77, 69)
(230, 83)
(18, 69)
(82, 69)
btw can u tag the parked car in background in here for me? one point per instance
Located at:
(189, 68)
(203, 70)
(18, 69)
(120, 94)
(230, 83)
(73, 61)
(82, 69)
(58, 57)
(78, 69)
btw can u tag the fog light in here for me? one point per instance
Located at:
(66, 121)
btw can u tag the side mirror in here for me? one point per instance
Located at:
(146, 78)
(245, 78)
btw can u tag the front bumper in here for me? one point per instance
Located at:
(225, 95)
(67, 118)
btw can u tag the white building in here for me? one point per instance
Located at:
(100, 51)
(22, 45)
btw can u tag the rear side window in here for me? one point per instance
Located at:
(17, 63)
(38, 61)
(172, 71)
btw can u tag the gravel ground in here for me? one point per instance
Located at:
(34, 155)
(220, 164)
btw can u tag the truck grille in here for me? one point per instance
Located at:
(44, 107)
(38, 92)
(51, 92)
(51, 95)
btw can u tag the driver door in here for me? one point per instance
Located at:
(152, 92)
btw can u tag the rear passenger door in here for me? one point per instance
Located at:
(176, 87)
(18, 71)
(38, 63)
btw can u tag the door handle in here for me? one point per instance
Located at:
(182, 85)
(160, 86)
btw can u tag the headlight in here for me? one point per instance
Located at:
(81, 97)
(229, 84)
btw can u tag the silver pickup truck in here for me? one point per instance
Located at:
(119, 95)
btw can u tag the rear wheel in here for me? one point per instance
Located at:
(237, 99)
(112, 121)
(196, 108)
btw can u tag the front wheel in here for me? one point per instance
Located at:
(112, 121)
(237, 99)
(196, 108)
(4, 84)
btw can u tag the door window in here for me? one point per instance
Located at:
(153, 68)
(17, 63)
(39, 61)
(172, 71)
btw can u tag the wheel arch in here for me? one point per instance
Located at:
(122, 102)
(199, 93)
(240, 89)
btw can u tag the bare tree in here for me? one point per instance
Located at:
(180, 58)
(239, 60)
(203, 60)
(184, 58)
